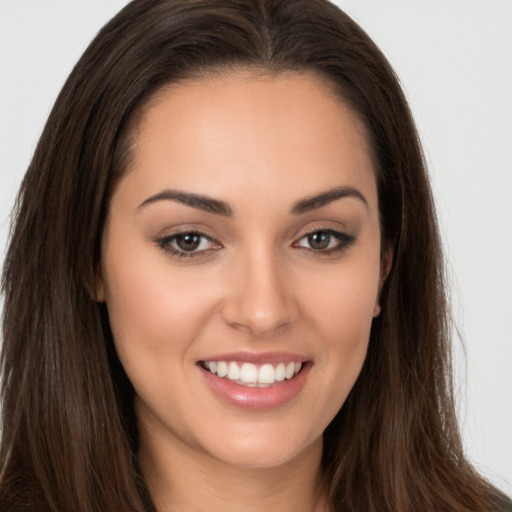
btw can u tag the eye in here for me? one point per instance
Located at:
(187, 244)
(190, 242)
(325, 241)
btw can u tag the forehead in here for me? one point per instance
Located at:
(242, 130)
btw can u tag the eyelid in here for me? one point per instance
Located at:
(345, 240)
(165, 243)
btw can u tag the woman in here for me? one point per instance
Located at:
(224, 286)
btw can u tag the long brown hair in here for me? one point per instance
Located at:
(69, 439)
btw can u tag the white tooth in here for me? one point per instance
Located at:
(222, 369)
(207, 365)
(267, 375)
(289, 370)
(297, 368)
(280, 372)
(233, 371)
(213, 367)
(248, 373)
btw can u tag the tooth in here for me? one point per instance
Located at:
(248, 373)
(233, 371)
(280, 372)
(222, 369)
(266, 375)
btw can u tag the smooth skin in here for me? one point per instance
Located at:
(253, 274)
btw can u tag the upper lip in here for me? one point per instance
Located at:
(258, 357)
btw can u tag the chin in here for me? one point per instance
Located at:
(258, 453)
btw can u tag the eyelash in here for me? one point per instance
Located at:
(165, 243)
(344, 241)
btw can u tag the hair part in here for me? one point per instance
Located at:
(69, 438)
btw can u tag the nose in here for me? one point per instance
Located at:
(259, 299)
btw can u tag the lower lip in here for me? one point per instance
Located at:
(256, 398)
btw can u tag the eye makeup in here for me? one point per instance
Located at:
(186, 243)
(325, 242)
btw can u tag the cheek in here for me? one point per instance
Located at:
(340, 312)
(341, 303)
(154, 305)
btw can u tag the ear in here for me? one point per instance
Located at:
(385, 268)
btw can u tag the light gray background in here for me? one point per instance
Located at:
(454, 58)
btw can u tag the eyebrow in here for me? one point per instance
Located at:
(323, 199)
(210, 205)
(197, 201)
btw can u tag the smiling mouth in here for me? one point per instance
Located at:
(251, 375)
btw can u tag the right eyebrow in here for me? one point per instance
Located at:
(200, 202)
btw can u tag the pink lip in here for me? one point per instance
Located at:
(256, 398)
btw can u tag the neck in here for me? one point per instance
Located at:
(180, 479)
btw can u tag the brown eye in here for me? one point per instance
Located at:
(188, 241)
(187, 244)
(320, 240)
(325, 241)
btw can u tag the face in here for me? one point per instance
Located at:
(241, 264)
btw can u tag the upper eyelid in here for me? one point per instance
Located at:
(186, 231)
(317, 229)
(168, 239)
(336, 226)
(333, 231)
(191, 230)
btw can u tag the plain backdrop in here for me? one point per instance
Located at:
(454, 59)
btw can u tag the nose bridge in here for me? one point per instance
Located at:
(259, 299)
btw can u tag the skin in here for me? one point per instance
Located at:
(260, 144)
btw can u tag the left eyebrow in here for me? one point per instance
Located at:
(323, 199)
